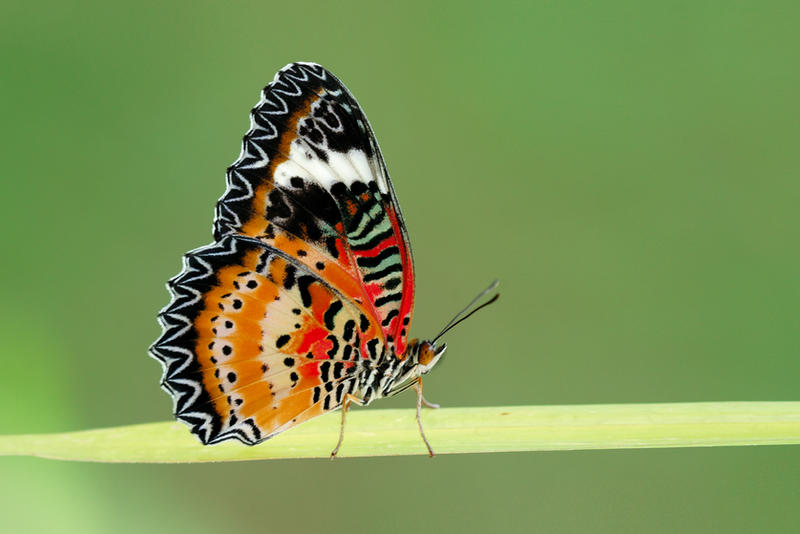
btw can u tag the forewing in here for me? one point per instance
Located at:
(254, 342)
(311, 182)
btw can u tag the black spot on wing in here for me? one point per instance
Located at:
(348, 349)
(329, 315)
(337, 370)
(363, 323)
(324, 369)
(372, 346)
(330, 245)
(303, 283)
(289, 279)
(334, 346)
(392, 283)
(349, 327)
(389, 316)
(391, 297)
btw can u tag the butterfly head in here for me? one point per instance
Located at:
(428, 355)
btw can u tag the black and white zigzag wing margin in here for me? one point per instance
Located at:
(180, 366)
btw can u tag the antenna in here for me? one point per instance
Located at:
(463, 315)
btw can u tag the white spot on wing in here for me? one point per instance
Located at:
(343, 168)
(289, 169)
(359, 160)
(354, 166)
(304, 155)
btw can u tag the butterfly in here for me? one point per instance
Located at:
(303, 303)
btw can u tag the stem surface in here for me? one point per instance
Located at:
(450, 431)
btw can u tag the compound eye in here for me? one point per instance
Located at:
(426, 353)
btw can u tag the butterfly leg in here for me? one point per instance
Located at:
(420, 400)
(345, 406)
(429, 404)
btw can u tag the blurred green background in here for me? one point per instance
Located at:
(629, 171)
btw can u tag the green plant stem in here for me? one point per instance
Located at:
(373, 432)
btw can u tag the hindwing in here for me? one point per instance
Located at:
(254, 341)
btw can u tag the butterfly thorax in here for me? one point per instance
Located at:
(392, 374)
